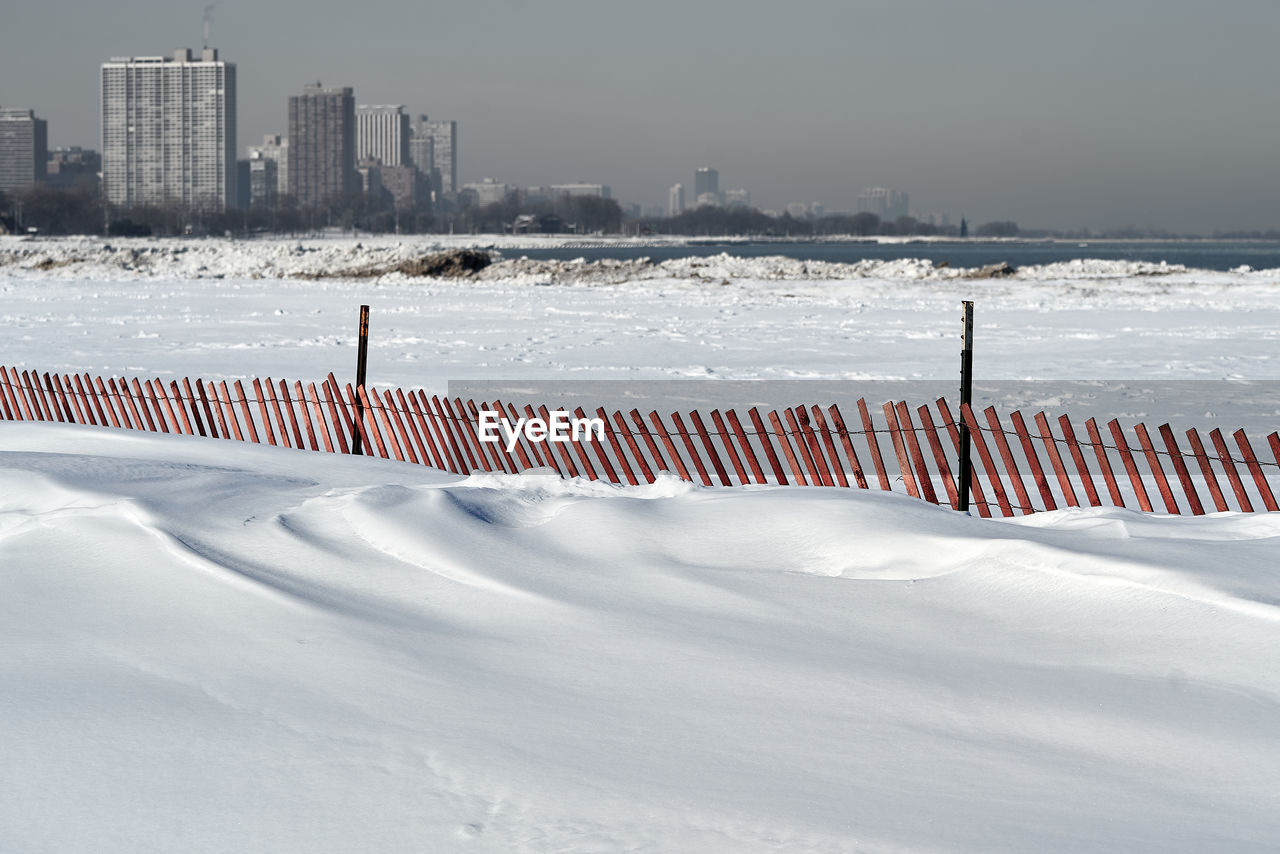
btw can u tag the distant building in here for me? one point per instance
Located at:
(489, 191)
(274, 148)
(708, 200)
(322, 144)
(67, 167)
(24, 148)
(242, 184)
(169, 131)
(540, 224)
(369, 176)
(538, 193)
(883, 202)
(675, 200)
(383, 132)
(264, 181)
(422, 154)
(798, 210)
(408, 189)
(737, 199)
(706, 181)
(444, 150)
(600, 191)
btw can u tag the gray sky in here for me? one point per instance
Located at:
(1158, 113)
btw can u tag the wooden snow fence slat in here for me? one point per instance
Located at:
(829, 447)
(1153, 462)
(718, 422)
(762, 434)
(1055, 459)
(797, 436)
(1077, 457)
(975, 485)
(6, 397)
(900, 450)
(939, 457)
(1206, 470)
(923, 478)
(780, 435)
(1180, 468)
(1259, 479)
(616, 444)
(1104, 462)
(1126, 457)
(984, 454)
(636, 454)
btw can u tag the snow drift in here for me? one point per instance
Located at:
(214, 647)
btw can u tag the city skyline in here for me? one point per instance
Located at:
(1156, 114)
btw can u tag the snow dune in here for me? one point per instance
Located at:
(219, 647)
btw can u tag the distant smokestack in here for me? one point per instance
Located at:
(208, 21)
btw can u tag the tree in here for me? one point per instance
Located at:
(74, 210)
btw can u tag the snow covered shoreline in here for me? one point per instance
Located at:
(93, 258)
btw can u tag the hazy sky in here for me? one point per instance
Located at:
(1157, 113)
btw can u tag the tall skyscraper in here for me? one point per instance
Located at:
(706, 180)
(383, 132)
(169, 130)
(444, 142)
(322, 144)
(24, 148)
(675, 200)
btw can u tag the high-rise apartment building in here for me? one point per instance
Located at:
(24, 148)
(169, 130)
(422, 153)
(444, 144)
(675, 200)
(322, 144)
(263, 185)
(276, 149)
(706, 181)
(382, 132)
(883, 202)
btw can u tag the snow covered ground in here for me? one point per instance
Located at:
(1127, 330)
(211, 646)
(215, 647)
